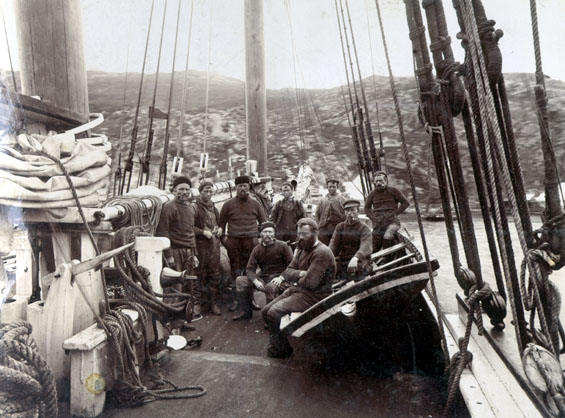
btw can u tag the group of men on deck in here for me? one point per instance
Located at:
(335, 246)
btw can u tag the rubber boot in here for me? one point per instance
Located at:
(245, 307)
(235, 303)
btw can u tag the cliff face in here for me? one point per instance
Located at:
(324, 139)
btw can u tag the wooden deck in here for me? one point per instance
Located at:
(241, 381)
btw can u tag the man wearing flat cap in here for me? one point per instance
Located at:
(286, 214)
(351, 245)
(177, 224)
(330, 211)
(239, 219)
(383, 205)
(268, 259)
(207, 233)
(309, 276)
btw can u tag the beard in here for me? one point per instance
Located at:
(306, 243)
(268, 240)
(243, 195)
(351, 220)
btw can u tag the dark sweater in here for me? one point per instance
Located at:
(177, 224)
(319, 264)
(205, 219)
(242, 217)
(272, 260)
(350, 241)
(383, 206)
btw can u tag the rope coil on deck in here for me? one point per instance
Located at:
(26, 381)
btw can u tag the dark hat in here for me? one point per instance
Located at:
(266, 225)
(332, 181)
(307, 221)
(181, 180)
(242, 180)
(287, 183)
(351, 203)
(294, 183)
(204, 184)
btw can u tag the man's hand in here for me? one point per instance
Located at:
(171, 262)
(217, 232)
(302, 274)
(352, 266)
(277, 281)
(258, 285)
(207, 234)
(195, 261)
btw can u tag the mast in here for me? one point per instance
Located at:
(51, 53)
(255, 92)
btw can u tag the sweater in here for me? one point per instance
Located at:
(271, 259)
(350, 241)
(242, 217)
(205, 219)
(177, 224)
(382, 206)
(319, 264)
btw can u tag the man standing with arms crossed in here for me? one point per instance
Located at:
(241, 215)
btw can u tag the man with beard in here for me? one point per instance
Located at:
(382, 207)
(242, 215)
(272, 257)
(177, 224)
(330, 211)
(207, 232)
(351, 245)
(286, 214)
(310, 276)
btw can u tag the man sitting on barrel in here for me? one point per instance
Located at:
(351, 245)
(310, 276)
(272, 257)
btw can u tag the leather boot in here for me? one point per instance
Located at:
(245, 305)
(235, 303)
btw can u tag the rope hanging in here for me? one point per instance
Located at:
(165, 156)
(185, 83)
(205, 138)
(128, 169)
(412, 181)
(8, 50)
(145, 165)
(135, 208)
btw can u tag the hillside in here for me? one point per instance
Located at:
(323, 120)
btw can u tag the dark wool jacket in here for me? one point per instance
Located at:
(323, 210)
(350, 241)
(319, 264)
(242, 217)
(277, 212)
(177, 224)
(271, 259)
(201, 220)
(382, 206)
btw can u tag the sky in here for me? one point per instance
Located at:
(302, 44)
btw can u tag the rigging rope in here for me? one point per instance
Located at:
(165, 157)
(149, 144)
(434, 298)
(8, 50)
(185, 83)
(129, 162)
(205, 138)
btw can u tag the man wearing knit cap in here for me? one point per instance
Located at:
(310, 276)
(330, 211)
(207, 233)
(351, 245)
(239, 219)
(177, 224)
(286, 214)
(272, 257)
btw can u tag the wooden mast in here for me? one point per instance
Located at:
(255, 92)
(51, 53)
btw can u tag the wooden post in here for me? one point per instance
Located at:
(255, 91)
(51, 53)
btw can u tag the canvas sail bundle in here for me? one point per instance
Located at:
(30, 179)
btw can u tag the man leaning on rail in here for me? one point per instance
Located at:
(309, 276)
(383, 205)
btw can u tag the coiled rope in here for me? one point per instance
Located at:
(135, 209)
(26, 381)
